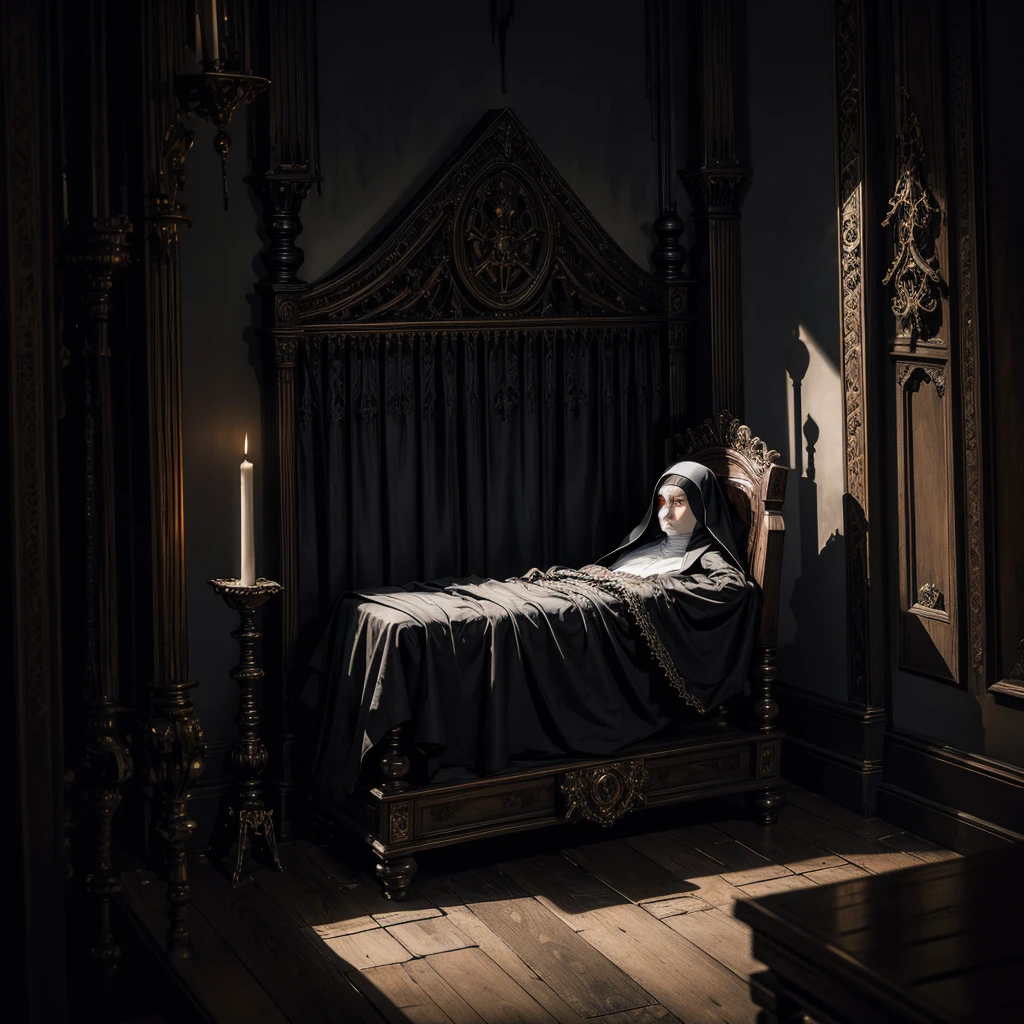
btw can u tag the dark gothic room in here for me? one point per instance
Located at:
(515, 511)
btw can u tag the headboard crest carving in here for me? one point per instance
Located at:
(496, 233)
(725, 431)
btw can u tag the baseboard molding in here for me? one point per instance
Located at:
(963, 801)
(831, 748)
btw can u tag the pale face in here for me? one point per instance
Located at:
(674, 514)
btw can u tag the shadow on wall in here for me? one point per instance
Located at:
(811, 654)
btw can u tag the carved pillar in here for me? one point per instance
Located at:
(861, 361)
(288, 168)
(669, 255)
(176, 751)
(97, 253)
(30, 626)
(717, 181)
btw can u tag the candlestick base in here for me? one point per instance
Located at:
(257, 823)
(252, 820)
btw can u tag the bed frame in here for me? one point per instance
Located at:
(734, 750)
(411, 281)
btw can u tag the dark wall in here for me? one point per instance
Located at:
(791, 323)
(398, 89)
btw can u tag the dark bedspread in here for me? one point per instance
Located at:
(549, 664)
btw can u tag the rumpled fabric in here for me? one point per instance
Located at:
(549, 664)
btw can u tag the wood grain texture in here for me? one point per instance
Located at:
(774, 885)
(857, 849)
(309, 896)
(780, 846)
(698, 874)
(720, 936)
(486, 987)
(743, 865)
(376, 948)
(629, 871)
(585, 980)
(298, 971)
(398, 997)
(457, 1009)
(684, 979)
(215, 978)
(475, 885)
(433, 935)
(827, 876)
(562, 886)
(677, 905)
(501, 953)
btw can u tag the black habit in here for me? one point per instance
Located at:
(564, 662)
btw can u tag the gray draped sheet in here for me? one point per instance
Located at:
(491, 672)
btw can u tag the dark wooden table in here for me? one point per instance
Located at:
(940, 943)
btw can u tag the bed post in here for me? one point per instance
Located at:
(769, 800)
(282, 499)
(394, 872)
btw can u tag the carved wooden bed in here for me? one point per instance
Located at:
(418, 289)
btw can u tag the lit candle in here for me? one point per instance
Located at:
(247, 577)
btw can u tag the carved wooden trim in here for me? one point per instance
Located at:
(176, 750)
(604, 794)
(850, 161)
(970, 387)
(562, 264)
(30, 576)
(914, 270)
(717, 180)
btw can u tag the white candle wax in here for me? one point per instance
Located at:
(247, 576)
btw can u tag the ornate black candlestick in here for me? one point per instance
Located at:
(249, 755)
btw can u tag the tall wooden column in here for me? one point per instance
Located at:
(176, 749)
(669, 255)
(863, 410)
(30, 625)
(288, 168)
(717, 180)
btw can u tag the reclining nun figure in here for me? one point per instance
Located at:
(492, 674)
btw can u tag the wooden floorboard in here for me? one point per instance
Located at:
(214, 978)
(571, 966)
(635, 928)
(299, 972)
(487, 988)
(684, 979)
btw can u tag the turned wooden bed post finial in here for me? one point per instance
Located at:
(394, 763)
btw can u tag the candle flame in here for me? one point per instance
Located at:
(246, 449)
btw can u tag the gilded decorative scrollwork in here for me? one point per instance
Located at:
(929, 596)
(914, 270)
(725, 431)
(604, 794)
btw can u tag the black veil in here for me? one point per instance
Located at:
(714, 528)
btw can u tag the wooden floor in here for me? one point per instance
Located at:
(629, 926)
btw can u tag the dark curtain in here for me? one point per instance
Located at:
(428, 454)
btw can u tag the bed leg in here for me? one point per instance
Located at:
(395, 874)
(765, 673)
(766, 804)
(394, 764)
